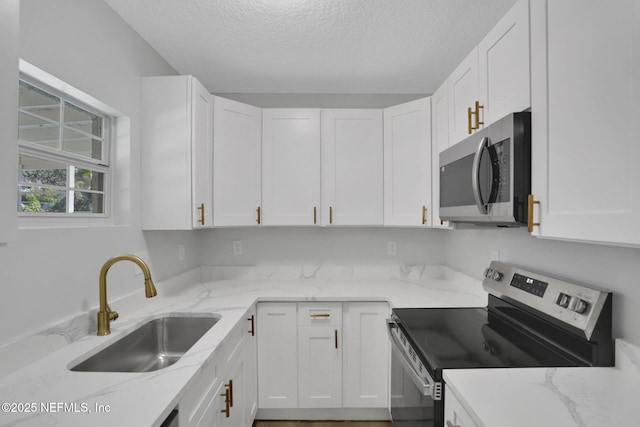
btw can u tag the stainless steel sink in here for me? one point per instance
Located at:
(154, 345)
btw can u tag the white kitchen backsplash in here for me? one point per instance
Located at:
(627, 356)
(302, 272)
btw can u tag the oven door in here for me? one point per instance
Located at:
(412, 393)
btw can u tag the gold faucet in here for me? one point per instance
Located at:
(105, 315)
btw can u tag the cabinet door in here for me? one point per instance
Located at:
(234, 383)
(320, 366)
(250, 373)
(366, 355)
(202, 155)
(237, 158)
(585, 92)
(463, 94)
(352, 152)
(503, 57)
(278, 355)
(439, 143)
(407, 163)
(290, 166)
(176, 160)
(213, 412)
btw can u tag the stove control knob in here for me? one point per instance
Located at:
(563, 300)
(497, 276)
(488, 272)
(578, 305)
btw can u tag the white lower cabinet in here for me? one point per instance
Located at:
(224, 394)
(322, 355)
(455, 415)
(366, 354)
(277, 355)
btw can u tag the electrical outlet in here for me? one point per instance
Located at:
(495, 255)
(392, 247)
(181, 252)
(237, 247)
(145, 257)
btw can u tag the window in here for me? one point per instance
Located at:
(63, 154)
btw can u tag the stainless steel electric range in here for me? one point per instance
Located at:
(532, 320)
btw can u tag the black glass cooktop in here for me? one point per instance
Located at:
(450, 338)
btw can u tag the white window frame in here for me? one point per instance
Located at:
(51, 84)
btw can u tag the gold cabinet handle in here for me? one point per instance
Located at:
(258, 211)
(315, 215)
(477, 114)
(315, 315)
(336, 338)
(201, 209)
(530, 203)
(450, 424)
(424, 215)
(330, 215)
(470, 127)
(227, 407)
(230, 393)
(253, 329)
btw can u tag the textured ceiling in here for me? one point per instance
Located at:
(313, 46)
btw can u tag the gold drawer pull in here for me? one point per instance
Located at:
(530, 203)
(227, 410)
(477, 114)
(253, 325)
(201, 209)
(314, 315)
(470, 127)
(258, 211)
(424, 215)
(315, 215)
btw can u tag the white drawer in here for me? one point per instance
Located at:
(320, 313)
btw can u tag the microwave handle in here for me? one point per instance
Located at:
(475, 178)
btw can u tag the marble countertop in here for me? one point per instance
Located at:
(566, 397)
(145, 399)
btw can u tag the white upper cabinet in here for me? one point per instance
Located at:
(504, 66)
(407, 164)
(463, 94)
(237, 157)
(440, 119)
(352, 162)
(585, 91)
(176, 153)
(290, 166)
(494, 79)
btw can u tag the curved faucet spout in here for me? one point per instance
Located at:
(106, 315)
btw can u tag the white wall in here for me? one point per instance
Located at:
(611, 268)
(50, 274)
(9, 33)
(323, 246)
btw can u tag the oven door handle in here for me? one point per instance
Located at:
(475, 175)
(425, 384)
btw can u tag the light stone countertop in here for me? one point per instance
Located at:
(553, 397)
(145, 399)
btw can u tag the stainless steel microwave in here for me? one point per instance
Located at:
(486, 178)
